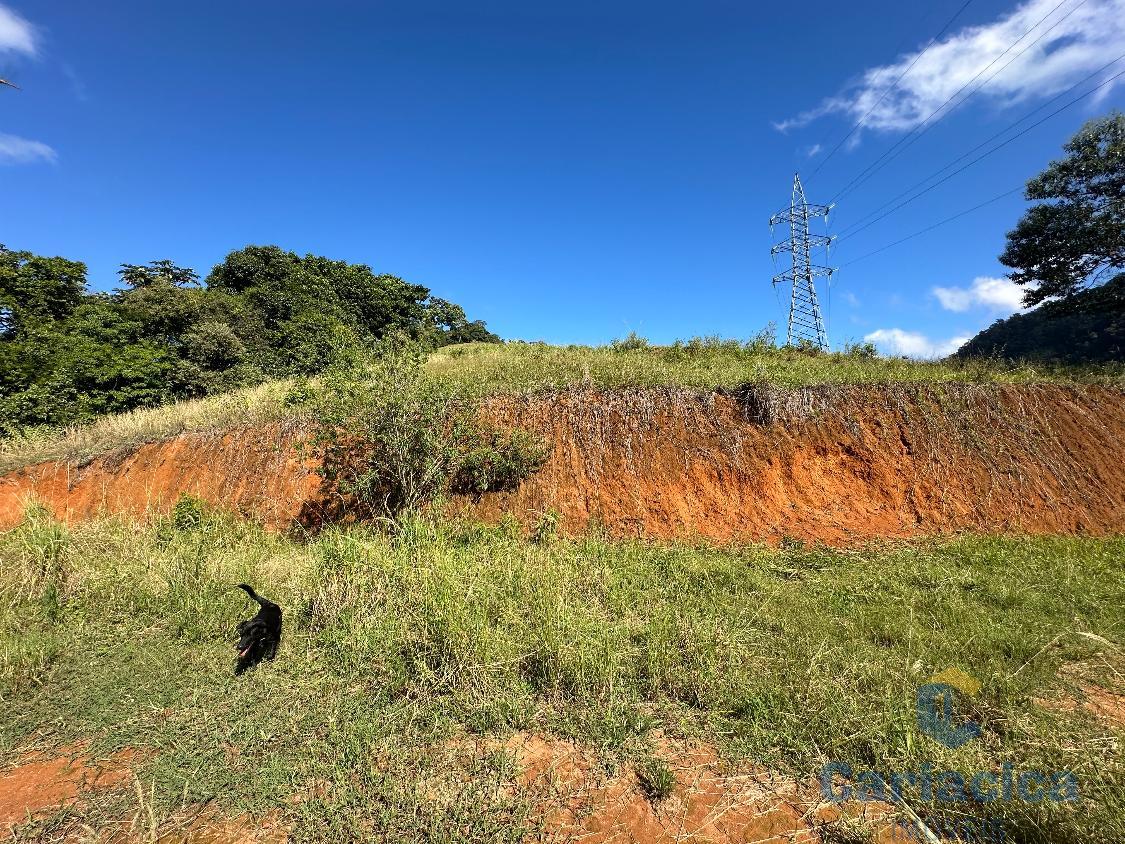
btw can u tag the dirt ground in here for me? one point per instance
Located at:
(1079, 691)
(710, 802)
(42, 783)
(573, 799)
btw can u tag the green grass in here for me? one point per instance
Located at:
(712, 363)
(120, 633)
(535, 368)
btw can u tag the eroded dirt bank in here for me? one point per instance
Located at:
(837, 465)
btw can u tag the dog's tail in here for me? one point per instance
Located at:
(250, 591)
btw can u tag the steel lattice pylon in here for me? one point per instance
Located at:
(806, 326)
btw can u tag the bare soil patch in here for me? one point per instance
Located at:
(1081, 692)
(576, 798)
(40, 784)
(68, 777)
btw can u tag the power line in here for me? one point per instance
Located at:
(922, 128)
(934, 226)
(984, 143)
(996, 148)
(892, 86)
(925, 126)
(898, 49)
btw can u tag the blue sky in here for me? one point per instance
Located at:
(568, 172)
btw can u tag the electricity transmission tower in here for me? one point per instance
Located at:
(806, 327)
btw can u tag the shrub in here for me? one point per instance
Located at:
(863, 350)
(394, 441)
(188, 513)
(497, 460)
(546, 528)
(191, 519)
(765, 340)
(634, 342)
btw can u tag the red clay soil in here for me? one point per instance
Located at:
(709, 802)
(836, 465)
(206, 828)
(44, 783)
(1081, 690)
(41, 784)
(573, 797)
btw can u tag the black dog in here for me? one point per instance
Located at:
(259, 637)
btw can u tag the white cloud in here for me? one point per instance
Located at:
(996, 294)
(850, 298)
(954, 298)
(16, 34)
(1088, 38)
(17, 150)
(911, 344)
(813, 150)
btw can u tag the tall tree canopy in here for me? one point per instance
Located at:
(67, 354)
(1075, 238)
(35, 290)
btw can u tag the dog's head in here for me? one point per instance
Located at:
(250, 634)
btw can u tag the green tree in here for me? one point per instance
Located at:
(36, 290)
(67, 355)
(206, 330)
(300, 308)
(93, 362)
(158, 272)
(1075, 238)
(446, 324)
(164, 298)
(36, 293)
(108, 364)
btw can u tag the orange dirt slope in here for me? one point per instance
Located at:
(837, 465)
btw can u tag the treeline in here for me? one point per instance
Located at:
(1069, 251)
(68, 355)
(1087, 327)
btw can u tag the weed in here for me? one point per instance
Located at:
(546, 528)
(632, 343)
(188, 513)
(656, 779)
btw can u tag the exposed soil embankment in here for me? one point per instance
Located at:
(830, 464)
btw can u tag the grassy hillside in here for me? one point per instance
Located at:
(396, 649)
(521, 368)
